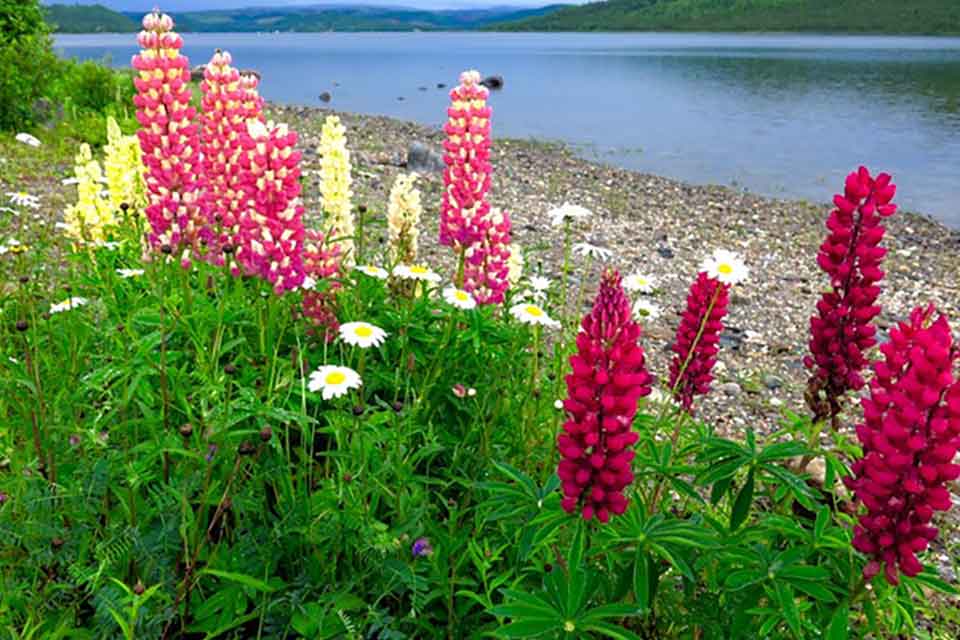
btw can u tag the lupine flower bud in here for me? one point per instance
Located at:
(843, 328)
(170, 142)
(467, 177)
(487, 266)
(335, 181)
(123, 169)
(403, 219)
(910, 435)
(271, 236)
(224, 119)
(608, 377)
(698, 339)
(91, 218)
(321, 260)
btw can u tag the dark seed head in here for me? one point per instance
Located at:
(358, 410)
(56, 543)
(120, 328)
(347, 478)
(67, 288)
(536, 393)
(24, 279)
(230, 369)
(266, 434)
(186, 430)
(246, 449)
(398, 406)
(139, 588)
(228, 248)
(22, 325)
(166, 249)
(362, 208)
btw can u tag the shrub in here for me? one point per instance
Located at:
(27, 60)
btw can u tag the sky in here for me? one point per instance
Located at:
(200, 5)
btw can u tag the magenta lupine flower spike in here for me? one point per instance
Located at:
(224, 119)
(486, 268)
(170, 141)
(468, 174)
(842, 330)
(321, 260)
(271, 236)
(910, 435)
(251, 102)
(609, 376)
(698, 339)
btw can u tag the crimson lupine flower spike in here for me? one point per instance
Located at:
(224, 118)
(170, 141)
(486, 268)
(910, 436)
(271, 236)
(467, 177)
(698, 339)
(609, 376)
(843, 328)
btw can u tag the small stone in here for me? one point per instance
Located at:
(771, 381)
(729, 388)
(665, 252)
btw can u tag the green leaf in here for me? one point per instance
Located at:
(789, 607)
(529, 628)
(839, 628)
(612, 631)
(641, 579)
(823, 519)
(741, 506)
(240, 578)
(719, 490)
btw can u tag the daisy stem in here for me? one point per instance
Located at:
(534, 374)
(429, 381)
(583, 281)
(566, 267)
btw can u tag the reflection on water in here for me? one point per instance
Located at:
(782, 115)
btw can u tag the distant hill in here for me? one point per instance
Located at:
(847, 16)
(87, 19)
(358, 18)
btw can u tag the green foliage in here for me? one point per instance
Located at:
(167, 472)
(853, 16)
(27, 60)
(64, 18)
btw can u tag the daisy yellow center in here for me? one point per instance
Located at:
(725, 268)
(419, 270)
(642, 281)
(335, 377)
(22, 194)
(363, 331)
(462, 296)
(534, 311)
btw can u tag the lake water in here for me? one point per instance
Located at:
(783, 115)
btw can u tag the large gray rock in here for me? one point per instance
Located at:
(423, 159)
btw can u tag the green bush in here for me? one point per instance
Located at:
(28, 61)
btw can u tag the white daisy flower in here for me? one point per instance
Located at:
(533, 314)
(129, 273)
(69, 303)
(416, 272)
(539, 283)
(333, 381)
(643, 309)
(362, 334)
(639, 283)
(568, 213)
(3, 249)
(28, 139)
(309, 283)
(726, 266)
(372, 271)
(23, 199)
(588, 250)
(459, 298)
